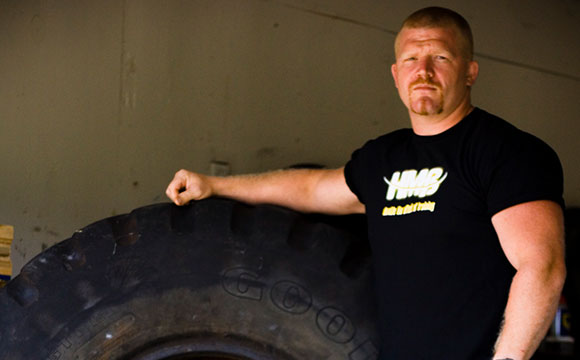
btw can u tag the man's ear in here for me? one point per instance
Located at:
(472, 72)
(394, 73)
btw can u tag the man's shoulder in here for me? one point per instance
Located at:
(493, 128)
(486, 121)
(515, 164)
(502, 142)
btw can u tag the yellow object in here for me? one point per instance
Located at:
(6, 237)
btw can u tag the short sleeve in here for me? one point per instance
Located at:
(353, 174)
(525, 169)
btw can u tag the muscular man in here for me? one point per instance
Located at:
(464, 210)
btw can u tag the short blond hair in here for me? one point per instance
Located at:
(438, 17)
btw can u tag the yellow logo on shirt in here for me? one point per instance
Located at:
(413, 183)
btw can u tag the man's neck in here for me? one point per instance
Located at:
(427, 125)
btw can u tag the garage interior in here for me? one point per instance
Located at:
(102, 101)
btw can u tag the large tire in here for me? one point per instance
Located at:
(215, 280)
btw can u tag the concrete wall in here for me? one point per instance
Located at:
(102, 101)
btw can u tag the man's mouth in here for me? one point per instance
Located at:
(424, 87)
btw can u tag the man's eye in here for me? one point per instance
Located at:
(411, 58)
(441, 57)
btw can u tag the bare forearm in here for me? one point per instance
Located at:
(533, 300)
(289, 188)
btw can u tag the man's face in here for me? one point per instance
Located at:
(432, 72)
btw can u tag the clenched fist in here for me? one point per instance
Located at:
(187, 186)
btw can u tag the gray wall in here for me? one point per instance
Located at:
(102, 101)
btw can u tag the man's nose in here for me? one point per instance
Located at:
(425, 67)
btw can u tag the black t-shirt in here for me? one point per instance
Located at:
(442, 277)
